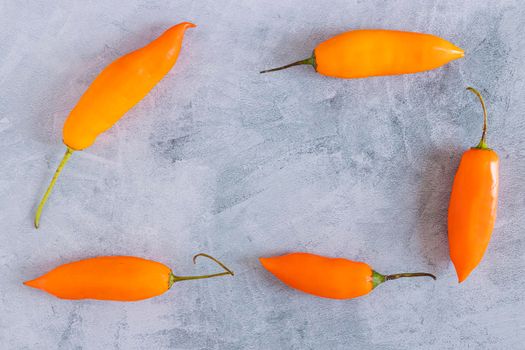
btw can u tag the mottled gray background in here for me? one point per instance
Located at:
(220, 159)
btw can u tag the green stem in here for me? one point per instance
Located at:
(378, 278)
(483, 142)
(309, 60)
(174, 278)
(63, 162)
(409, 274)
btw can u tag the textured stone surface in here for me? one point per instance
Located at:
(223, 160)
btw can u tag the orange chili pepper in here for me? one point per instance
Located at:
(473, 203)
(334, 278)
(374, 52)
(119, 87)
(117, 278)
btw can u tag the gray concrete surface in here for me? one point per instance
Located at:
(220, 159)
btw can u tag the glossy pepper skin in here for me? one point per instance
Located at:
(334, 278)
(375, 52)
(119, 87)
(473, 204)
(116, 278)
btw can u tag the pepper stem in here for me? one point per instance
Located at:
(410, 274)
(310, 60)
(483, 142)
(378, 278)
(63, 162)
(174, 278)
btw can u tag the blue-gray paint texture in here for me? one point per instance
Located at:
(223, 160)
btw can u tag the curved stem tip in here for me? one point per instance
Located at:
(411, 274)
(174, 278)
(378, 278)
(63, 162)
(483, 142)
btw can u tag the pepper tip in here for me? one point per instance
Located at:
(462, 275)
(458, 52)
(189, 24)
(266, 263)
(32, 283)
